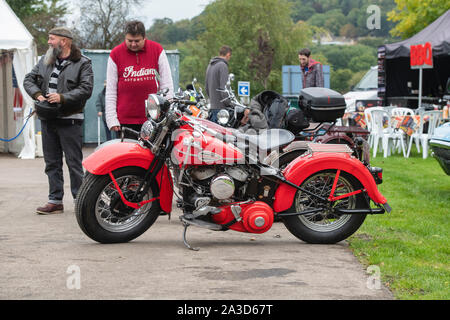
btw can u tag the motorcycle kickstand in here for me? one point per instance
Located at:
(186, 225)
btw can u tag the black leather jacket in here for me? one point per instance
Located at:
(75, 82)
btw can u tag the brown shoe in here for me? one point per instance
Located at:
(50, 208)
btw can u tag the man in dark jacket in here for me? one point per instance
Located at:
(63, 78)
(312, 71)
(216, 80)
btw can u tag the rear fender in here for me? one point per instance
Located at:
(305, 166)
(337, 138)
(113, 156)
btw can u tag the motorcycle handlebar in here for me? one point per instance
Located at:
(187, 102)
(133, 132)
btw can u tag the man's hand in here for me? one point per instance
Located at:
(100, 114)
(54, 98)
(116, 128)
(41, 98)
(245, 117)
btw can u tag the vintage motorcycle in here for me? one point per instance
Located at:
(221, 182)
(232, 115)
(201, 108)
(323, 129)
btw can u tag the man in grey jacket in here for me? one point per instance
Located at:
(63, 78)
(216, 80)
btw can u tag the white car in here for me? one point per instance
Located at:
(366, 89)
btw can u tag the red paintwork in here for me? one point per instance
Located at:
(215, 126)
(303, 167)
(250, 212)
(127, 154)
(205, 150)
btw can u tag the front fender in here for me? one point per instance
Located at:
(303, 167)
(113, 156)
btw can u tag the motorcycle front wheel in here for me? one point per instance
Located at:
(326, 227)
(103, 216)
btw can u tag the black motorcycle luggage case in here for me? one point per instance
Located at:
(322, 104)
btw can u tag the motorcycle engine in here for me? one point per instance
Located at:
(222, 187)
(222, 184)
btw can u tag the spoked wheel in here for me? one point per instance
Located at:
(104, 217)
(326, 227)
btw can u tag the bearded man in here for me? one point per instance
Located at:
(63, 78)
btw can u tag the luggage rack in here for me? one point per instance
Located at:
(317, 131)
(332, 148)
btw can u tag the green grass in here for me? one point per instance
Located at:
(411, 244)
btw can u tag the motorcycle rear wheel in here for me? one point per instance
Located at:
(103, 216)
(325, 227)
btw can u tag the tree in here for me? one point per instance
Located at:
(348, 31)
(262, 60)
(241, 30)
(362, 62)
(102, 22)
(25, 8)
(414, 15)
(334, 14)
(158, 31)
(39, 17)
(340, 80)
(166, 32)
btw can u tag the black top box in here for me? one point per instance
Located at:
(321, 104)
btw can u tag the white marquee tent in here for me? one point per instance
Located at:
(15, 38)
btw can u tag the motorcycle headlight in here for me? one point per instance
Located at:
(223, 116)
(204, 114)
(152, 107)
(147, 130)
(156, 105)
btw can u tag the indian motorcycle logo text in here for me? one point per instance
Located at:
(143, 74)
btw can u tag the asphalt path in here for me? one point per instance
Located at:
(49, 257)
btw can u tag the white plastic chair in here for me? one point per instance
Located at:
(434, 119)
(387, 135)
(402, 112)
(367, 117)
(388, 109)
(419, 111)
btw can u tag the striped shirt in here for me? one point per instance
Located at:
(53, 85)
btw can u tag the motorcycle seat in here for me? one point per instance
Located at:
(267, 140)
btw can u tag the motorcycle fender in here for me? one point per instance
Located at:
(335, 138)
(303, 167)
(113, 156)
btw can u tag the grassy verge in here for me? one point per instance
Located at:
(411, 244)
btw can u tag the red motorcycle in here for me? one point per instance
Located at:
(222, 182)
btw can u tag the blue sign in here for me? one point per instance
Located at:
(244, 89)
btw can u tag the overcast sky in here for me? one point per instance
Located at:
(159, 9)
(173, 9)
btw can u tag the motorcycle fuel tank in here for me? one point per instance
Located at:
(194, 148)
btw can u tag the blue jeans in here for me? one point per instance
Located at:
(213, 115)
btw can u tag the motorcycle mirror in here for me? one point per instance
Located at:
(164, 91)
(194, 80)
(239, 109)
(231, 77)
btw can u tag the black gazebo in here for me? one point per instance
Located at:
(398, 84)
